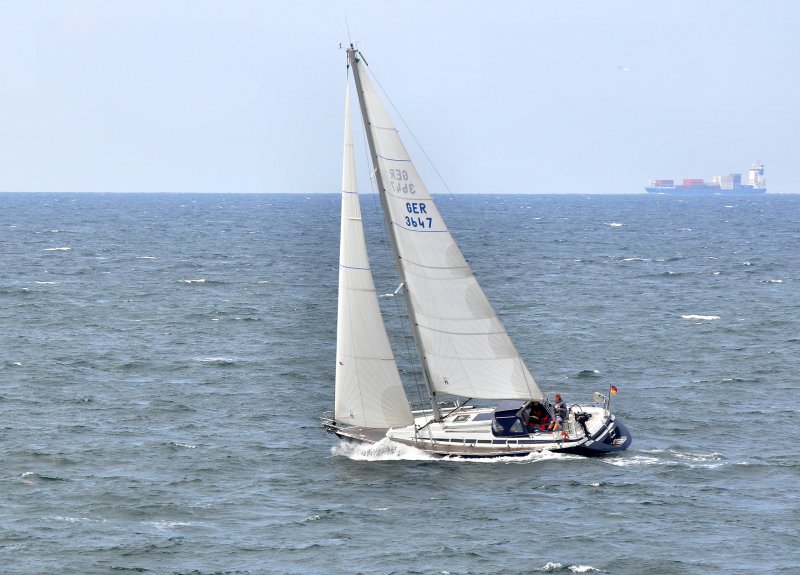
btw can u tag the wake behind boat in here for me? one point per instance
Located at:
(484, 402)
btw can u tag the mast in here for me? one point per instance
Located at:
(352, 58)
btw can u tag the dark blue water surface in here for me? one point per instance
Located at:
(164, 359)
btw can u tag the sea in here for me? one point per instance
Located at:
(165, 358)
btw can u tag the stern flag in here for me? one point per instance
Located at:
(613, 390)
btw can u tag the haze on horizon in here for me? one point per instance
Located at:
(587, 96)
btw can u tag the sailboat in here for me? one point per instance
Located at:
(482, 399)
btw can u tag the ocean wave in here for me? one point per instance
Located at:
(64, 249)
(672, 457)
(554, 566)
(615, 225)
(167, 525)
(700, 317)
(584, 373)
(634, 461)
(30, 476)
(217, 360)
(183, 445)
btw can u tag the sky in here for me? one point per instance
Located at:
(550, 96)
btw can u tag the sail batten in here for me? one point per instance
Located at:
(464, 348)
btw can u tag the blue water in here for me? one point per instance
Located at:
(164, 359)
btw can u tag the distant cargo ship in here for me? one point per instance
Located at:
(722, 185)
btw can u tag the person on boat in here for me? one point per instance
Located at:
(538, 418)
(560, 409)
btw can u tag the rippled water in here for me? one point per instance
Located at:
(165, 359)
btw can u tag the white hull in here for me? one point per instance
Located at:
(468, 433)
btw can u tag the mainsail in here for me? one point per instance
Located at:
(464, 347)
(369, 391)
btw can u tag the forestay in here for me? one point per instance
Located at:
(464, 347)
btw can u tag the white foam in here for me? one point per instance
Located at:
(164, 525)
(57, 249)
(388, 450)
(145, 258)
(616, 225)
(46, 283)
(383, 450)
(635, 461)
(217, 360)
(582, 568)
(195, 281)
(774, 281)
(700, 317)
(64, 519)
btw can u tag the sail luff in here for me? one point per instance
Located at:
(368, 391)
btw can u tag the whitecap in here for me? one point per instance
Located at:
(582, 568)
(65, 519)
(164, 525)
(57, 249)
(615, 225)
(46, 283)
(700, 317)
(636, 460)
(774, 281)
(532, 457)
(195, 281)
(145, 258)
(699, 457)
(550, 566)
(217, 360)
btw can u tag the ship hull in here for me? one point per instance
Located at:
(600, 434)
(705, 191)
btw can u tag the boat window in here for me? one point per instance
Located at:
(517, 427)
(461, 418)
